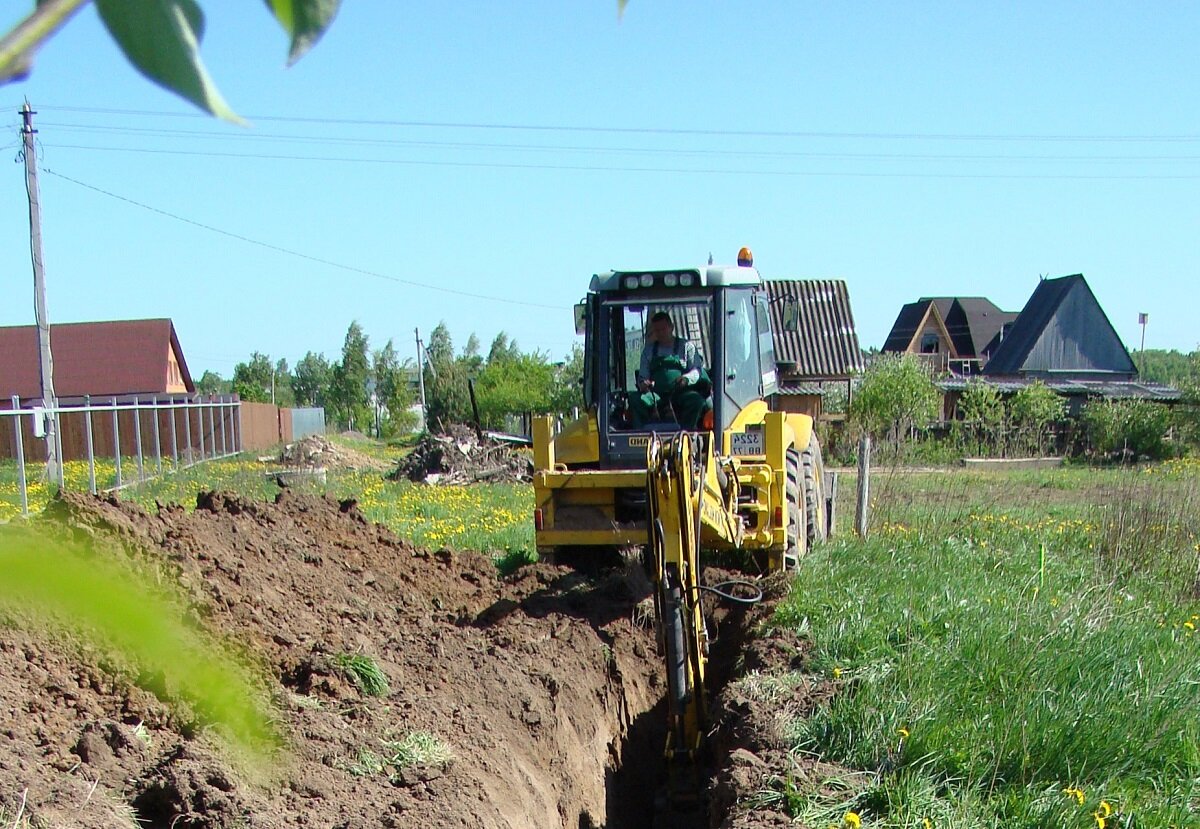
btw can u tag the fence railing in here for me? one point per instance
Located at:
(176, 430)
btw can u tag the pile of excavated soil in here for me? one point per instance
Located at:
(318, 452)
(543, 687)
(462, 457)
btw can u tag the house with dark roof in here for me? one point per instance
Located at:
(956, 334)
(101, 359)
(816, 344)
(1063, 338)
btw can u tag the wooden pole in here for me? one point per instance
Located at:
(862, 518)
(45, 362)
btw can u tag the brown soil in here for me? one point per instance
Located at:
(318, 452)
(546, 690)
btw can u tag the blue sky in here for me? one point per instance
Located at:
(423, 156)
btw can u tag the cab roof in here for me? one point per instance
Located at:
(708, 276)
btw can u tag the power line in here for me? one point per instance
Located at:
(627, 169)
(259, 137)
(477, 125)
(298, 254)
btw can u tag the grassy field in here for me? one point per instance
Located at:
(1010, 649)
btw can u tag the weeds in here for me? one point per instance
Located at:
(1001, 644)
(418, 748)
(364, 672)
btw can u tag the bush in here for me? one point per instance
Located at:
(1135, 426)
(895, 398)
(1033, 410)
(981, 429)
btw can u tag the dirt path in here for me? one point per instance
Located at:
(542, 686)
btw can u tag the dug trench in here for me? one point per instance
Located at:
(543, 690)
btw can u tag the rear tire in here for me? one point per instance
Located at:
(796, 533)
(814, 490)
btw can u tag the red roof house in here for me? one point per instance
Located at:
(123, 357)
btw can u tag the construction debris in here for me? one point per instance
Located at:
(318, 452)
(461, 457)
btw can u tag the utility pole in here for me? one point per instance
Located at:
(39, 292)
(1142, 320)
(421, 379)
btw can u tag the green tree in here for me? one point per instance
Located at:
(502, 349)
(393, 395)
(566, 391)
(349, 403)
(311, 379)
(514, 386)
(1138, 427)
(1033, 412)
(896, 397)
(446, 397)
(252, 381)
(980, 431)
(212, 383)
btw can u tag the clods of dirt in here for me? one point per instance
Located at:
(460, 456)
(318, 452)
(541, 692)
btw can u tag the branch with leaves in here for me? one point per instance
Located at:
(161, 38)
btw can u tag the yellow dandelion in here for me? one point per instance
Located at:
(926, 823)
(1101, 823)
(837, 673)
(903, 732)
(1105, 808)
(852, 820)
(1075, 793)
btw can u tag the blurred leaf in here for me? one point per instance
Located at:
(304, 21)
(162, 39)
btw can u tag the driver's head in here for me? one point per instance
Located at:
(662, 330)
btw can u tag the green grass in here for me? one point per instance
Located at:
(364, 672)
(1005, 646)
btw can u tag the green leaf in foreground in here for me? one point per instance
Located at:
(162, 39)
(108, 606)
(304, 21)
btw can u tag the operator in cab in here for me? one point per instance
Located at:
(672, 383)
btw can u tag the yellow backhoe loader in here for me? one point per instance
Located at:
(691, 457)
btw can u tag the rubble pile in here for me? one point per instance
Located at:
(318, 452)
(460, 457)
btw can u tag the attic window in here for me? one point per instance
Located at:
(930, 344)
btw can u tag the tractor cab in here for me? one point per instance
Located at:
(717, 358)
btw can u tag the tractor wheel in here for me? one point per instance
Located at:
(796, 534)
(814, 490)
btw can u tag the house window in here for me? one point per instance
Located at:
(930, 344)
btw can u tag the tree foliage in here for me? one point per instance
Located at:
(311, 379)
(1137, 428)
(161, 38)
(896, 397)
(983, 414)
(252, 381)
(393, 397)
(1033, 411)
(212, 383)
(349, 401)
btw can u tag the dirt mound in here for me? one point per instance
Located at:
(534, 684)
(540, 691)
(461, 457)
(318, 452)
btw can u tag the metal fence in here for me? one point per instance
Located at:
(177, 432)
(307, 421)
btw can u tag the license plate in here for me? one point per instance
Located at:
(747, 443)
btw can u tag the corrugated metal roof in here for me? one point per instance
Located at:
(825, 343)
(96, 358)
(1061, 328)
(801, 388)
(1110, 389)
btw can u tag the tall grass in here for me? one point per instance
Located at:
(1001, 665)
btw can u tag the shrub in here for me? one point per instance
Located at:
(982, 426)
(896, 397)
(1137, 426)
(1033, 410)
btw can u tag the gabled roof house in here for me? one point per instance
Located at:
(125, 357)
(964, 331)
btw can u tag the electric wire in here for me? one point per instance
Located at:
(633, 169)
(259, 137)
(637, 130)
(308, 257)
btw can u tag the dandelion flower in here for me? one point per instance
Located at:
(852, 820)
(1076, 793)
